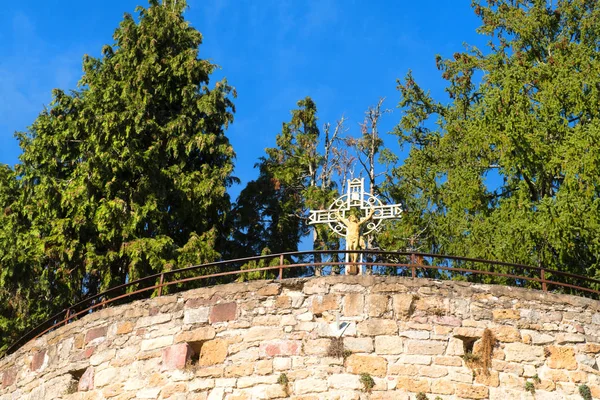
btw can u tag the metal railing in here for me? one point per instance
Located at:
(319, 263)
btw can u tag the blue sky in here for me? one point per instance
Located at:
(345, 54)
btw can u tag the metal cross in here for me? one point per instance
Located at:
(356, 197)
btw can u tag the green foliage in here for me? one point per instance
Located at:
(367, 381)
(421, 396)
(271, 211)
(124, 177)
(508, 168)
(585, 392)
(530, 387)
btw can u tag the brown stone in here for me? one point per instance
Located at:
(323, 303)
(38, 360)
(440, 386)
(157, 380)
(236, 370)
(489, 378)
(506, 334)
(79, 341)
(561, 358)
(354, 304)
(506, 314)
(223, 312)
(377, 304)
(593, 348)
(471, 392)
(112, 390)
(283, 302)
(95, 333)
(124, 327)
(425, 347)
(9, 377)
(412, 384)
(173, 388)
(359, 364)
(403, 305)
(450, 361)
(269, 290)
(264, 367)
(196, 335)
(213, 352)
(177, 356)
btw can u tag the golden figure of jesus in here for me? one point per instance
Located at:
(354, 239)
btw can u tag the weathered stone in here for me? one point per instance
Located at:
(124, 327)
(520, 352)
(403, 305)
(269, 290)
(563, 338)
(441, 386)
(504, 314)
(376, 327)
(157, 343)
(324, 303)
(39, 360)
(354, 304)
(9, 376)
(561, 358)
(471, 391)
(280, 348)
(358, 364)
(177, 356)
(213, 352)
(412, 384)
(196, 335)
(153, 320)
(425, 347)
(105, 377)
(195, 315)
(95, 333)
(359, 345)
(344, 381)
(388, 345)
(223, 312)
(377, 304)
(310, 385)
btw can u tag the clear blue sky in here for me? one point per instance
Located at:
(345, 54)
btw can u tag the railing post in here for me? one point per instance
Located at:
(413, 269)
(543, 273)
(280, 277)
(67, 315)
(162, 279)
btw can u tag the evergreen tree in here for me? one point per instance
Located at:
(127, 175)
(510, 169)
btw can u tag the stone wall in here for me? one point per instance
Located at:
(279, 339)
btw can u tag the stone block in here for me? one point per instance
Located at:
(376, 327)
(506, 334)
(195, 315)
(324, 303)
(403, 305)
(413, 384)
(9, 377)
(196, 335)
(310, 385)
(354, 304)
(269, 290)
(223, 312)
(388, 345)
(105, 377)
(95, 333)
(39, 360)
(471, 392)
(442, 386)
(213, 352)
(425, 347)
(344, 381)
(359, 345)
(561, 358)
(377, 304)
(504, 314)
(156, 343)
(280, 348)
(374, 365)
(177, 356)
(519, 352)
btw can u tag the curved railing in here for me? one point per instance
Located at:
(318, 263)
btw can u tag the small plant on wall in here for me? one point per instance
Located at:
(367, 381)
(585, 392)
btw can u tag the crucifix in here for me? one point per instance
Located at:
(341, 218)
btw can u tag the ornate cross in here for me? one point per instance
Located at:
(337, 216)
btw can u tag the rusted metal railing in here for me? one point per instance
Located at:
(410, 264)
